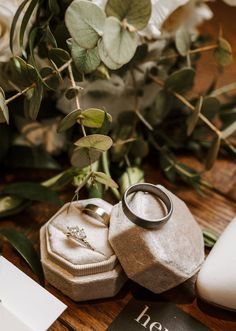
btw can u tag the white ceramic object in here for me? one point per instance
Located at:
(216, 281)
(79, 272)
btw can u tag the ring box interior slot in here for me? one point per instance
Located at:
(79, 272)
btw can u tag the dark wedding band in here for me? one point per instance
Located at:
(97, 212)
(155, 190)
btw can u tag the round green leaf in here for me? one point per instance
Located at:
(33, 102)
(223, 54)
(181, 80)
(136, 12)
(182, 41)
(85, 60)
(94, 118)
(105, 57)
(119, 42)
(58, 56)
(82, 157)
(72, 92)
(68, 121)
(210, 107)
(97, 141)
(85, 22)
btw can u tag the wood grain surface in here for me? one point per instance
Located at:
(214, 211)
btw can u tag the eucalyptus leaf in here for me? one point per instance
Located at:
(96, 141)
(59, 181)
(210, 107)
(193, 118)
(137, 13)
(168, 168)
(210, 237)
(23, 74)
(182, 41)
(160, 108)
(14, 22)
(223, 53)
(26, 249)
(58, 56)
(139, 148)
(103, 178)
(4, 112)
(94, 117)
(85, 60)
(181, 80)
(33, 102)
(132, 175)
(213, 153)
(54, 80)
(31, 191)
(119, 42)
(106, 125)
(11, 205)
(82, 157)
(68, 121)
(106, 58)
(85, 22)
(25, 21)
(54, 7)
(72, 92)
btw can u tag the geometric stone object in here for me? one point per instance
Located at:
(216, 281)
(162, 258)
(79, 272)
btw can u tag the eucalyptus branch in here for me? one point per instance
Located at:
(190, 52)
(223, 89)
(76, 97)
(60, 69)
(181, 98)
(105, 165)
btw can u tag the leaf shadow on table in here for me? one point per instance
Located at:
(216, 312)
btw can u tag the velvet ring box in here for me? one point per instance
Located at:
(79, 272)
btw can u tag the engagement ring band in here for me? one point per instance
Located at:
(97, 212)
(155, 190)
(79, 235)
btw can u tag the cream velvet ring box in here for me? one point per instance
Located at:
(80, 272)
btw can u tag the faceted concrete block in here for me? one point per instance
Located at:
(162, 258)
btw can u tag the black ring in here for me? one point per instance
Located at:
(155, 190)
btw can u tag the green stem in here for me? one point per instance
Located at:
(17, 95)
(105, 165)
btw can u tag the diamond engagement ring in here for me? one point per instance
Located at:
(156, 191)
(79, 235)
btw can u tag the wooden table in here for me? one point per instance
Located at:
(214, 211)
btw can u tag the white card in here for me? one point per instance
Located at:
(25, 305)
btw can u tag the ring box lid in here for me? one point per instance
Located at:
(69, 254)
